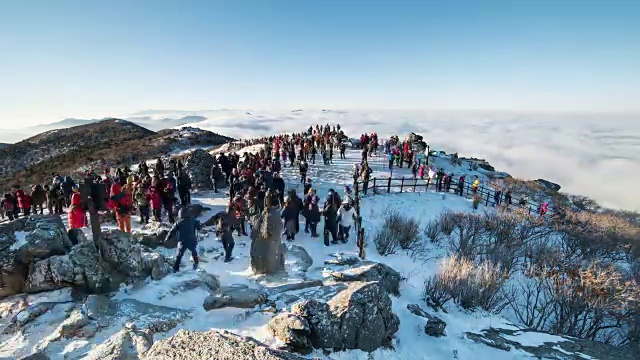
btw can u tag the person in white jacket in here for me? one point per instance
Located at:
(346, 217)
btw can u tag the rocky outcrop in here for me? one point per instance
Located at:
(388, 278)
(293, 330)
(434, 326)
(238, 296)
(267, 250)
(549, 185)
(302, 260)
(557, 347)
(126, 344)
(24, 242)
(359, 317)
(35, 259)
(192, 345)
(199, 163)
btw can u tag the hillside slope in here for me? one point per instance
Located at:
(111, 142)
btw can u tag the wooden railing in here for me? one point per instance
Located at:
(412, 185)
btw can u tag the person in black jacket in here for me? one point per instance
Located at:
(330, 223)
(184, 188)
(278, 186)
(304, 167)
(185, 230)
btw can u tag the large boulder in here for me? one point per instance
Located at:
(118, 250)
(238, 296)
(192, 345)
(137, 314)
(302, 260)
(388, 278)
(267, 250)
(199, 164)
(359, 317)
(293, 330)
(24, 242)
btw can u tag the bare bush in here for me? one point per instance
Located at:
(589, 303)
(397, 232)
(468, 284)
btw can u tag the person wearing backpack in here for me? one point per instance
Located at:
(77, 218)
(142, 198)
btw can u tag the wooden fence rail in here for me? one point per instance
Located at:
(403, 184)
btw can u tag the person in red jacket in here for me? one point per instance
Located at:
(24, 202)
(77, 214)
(155, 199)
(77, 218)
(121, 202)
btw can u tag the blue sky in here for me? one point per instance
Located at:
(98, 58)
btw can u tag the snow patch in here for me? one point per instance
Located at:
(534, 338)
(21, 240)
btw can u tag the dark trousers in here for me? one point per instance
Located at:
(26, 211)
(241, 226)
(181, 250)
(168, 206)
(157, 214)
(228, 243)
(35, 209)
(330, 230)
(343, 232)
(460, 189)
(215, 184)
(144, 214)
(390, 164)
(185, 197)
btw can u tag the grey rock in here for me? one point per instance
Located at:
(300, 285)
(238, 296)
(549, 185)
(192, 345)
(27, 315)
(293, 330)
(340, 260)
(267, 250)
(126, 344)
(36, 356)
(371, 271)
(303, 259)
(435, 327)
(359, 317)
(203, 280)
(68, 328)
(198, 163)
(155, 265)
(139, 314)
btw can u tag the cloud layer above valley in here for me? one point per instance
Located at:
(593, 155)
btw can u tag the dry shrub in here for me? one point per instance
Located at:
(592, 303)
(590, 236)
(397, 232)
(468, 284)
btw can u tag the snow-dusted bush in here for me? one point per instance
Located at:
(594, 302)
(397, 232)
(466, 283)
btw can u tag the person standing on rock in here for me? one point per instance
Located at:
(24, 202)
(8, 205)
(225, 231)
(185, 230)
(77, 218)
(216, 176)
(240, 210)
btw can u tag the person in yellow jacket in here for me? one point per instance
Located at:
(476, 184)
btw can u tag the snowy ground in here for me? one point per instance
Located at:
(410, 342)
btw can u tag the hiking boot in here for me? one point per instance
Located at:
(195, 266)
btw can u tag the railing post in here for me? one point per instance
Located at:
(402, 184)
(487, 204)
(389, 185)
(415, 183)
(374, 185)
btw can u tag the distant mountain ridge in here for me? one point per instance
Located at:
(93, 145)
(148, 122)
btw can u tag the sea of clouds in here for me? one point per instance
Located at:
(589, 154)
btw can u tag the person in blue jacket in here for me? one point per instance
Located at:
(185, 230)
